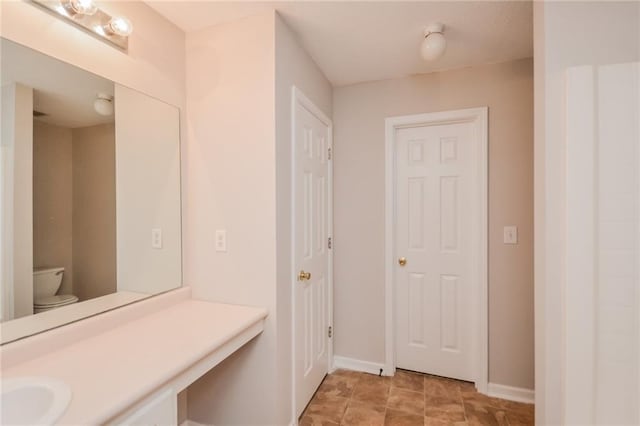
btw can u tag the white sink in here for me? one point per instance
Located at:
(33, 400)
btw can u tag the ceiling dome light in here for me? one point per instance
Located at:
(103, 104)
(80, 7)
(119, 25)
(434, 43)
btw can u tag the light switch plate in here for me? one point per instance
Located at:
(156, 238)
(221, 240)
(511, 235)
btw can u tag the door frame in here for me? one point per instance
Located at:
(298, 97)
(480, 342)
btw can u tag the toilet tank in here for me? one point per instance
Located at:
(46, 281)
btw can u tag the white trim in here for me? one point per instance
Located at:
(479, 116)
(581, 245)
(357, 365)
(297, 96)
(511, 393)
(637, 68)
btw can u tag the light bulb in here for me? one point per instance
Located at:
(103, 104)
(120, 25)
(434, 43)
(81, 7)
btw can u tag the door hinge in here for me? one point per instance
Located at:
(329, 153)
(329, 243)
(330, 333)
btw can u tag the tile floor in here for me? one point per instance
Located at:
(407, 399)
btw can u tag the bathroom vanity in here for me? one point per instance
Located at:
(94, 325)
(127, 366)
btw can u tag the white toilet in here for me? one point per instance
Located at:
(46, 282)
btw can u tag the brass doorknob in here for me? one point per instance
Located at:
(303, 276)
(402, 261)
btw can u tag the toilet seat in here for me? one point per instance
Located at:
(55, 301)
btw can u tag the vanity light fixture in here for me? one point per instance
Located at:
(86, 15)
(79, 7)
(119, 25)
(103, 104)
(434, 43)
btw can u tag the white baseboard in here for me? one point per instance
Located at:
(493, 389)
(511, 393)
(357, 365)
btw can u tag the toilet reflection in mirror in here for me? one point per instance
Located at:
(46, 285)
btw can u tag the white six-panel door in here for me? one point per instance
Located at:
(434, 238)
(311, 144)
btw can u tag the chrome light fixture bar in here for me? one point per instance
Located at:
(85, 15)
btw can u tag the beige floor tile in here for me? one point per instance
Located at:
(430, 421)
(437, 386)
(362, 414)
(374, 393)
(348, 373)
(400, 418)
(444, 408)
(406, 400)
(341, 386)
(520, 418)
(516, 406)
(485, 416)
(307, 420)
(330, 409)
(373, 378)
(408, 380)
(481, 402)
(348, 398)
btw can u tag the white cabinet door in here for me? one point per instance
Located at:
(159, 410)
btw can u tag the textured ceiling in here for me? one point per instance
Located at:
(362, 41)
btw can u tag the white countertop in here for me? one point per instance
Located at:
(113, 370)
(26, 326)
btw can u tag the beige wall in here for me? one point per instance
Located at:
(238, 178)
(52, 200)
(230, 183)
(94, 211)
(564, 37)
(359, 113)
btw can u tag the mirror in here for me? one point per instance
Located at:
(90, 194)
